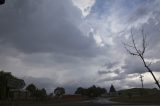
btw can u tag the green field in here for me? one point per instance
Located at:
(138, 95)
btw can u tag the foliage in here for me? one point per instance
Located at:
(145, 99)
(32, 89)
(112, 89)
(41, 94)
(59, 91)
(35, 92)
(80, 90)
(92, 91)
(7, 79)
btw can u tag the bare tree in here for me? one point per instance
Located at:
(132, 49)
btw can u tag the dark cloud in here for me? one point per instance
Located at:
(42, 42)
(49, 42)
(110, 65)
(134, 65)
(103, 72)
(121, 76)
(38, 26)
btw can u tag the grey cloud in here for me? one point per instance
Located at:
(149, 12)
(145, 15)
(49, 84)
(140, 12)
(41, 40)
(110, 65)
(40, 83)
(114, 78)
(134, 65)
(44, 37)
(155, 67)
(42, 27)
(103, 72)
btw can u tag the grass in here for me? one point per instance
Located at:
(145, 99)
(138, 95)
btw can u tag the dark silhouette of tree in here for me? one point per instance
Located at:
(41, 94)
(112, 89)
(80, 90)
(59, 91)
(32, 89)
(92, 91)
(2, 2)
(38, 94)
(132, 49)
(44, 93)
(101, 90)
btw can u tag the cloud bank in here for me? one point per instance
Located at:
(75, 43)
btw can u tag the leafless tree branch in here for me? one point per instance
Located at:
(132, 49)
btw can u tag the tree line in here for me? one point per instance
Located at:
(8, 82)
(92, 91)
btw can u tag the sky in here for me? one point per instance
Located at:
(78, 43)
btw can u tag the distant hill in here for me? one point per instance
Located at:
(138, 95)
(139, 91)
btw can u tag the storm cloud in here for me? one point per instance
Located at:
(72, 43)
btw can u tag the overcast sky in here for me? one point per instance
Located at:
(74, 43)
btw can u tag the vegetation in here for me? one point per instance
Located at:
(91, 91)
(138, 95)
(32, 90)
(152, 99)
(35, 92)
(135, 95)
(59, 91)
(112, 89)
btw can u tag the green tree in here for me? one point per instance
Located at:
(92, 91)
(43, 93)
(112, 89)
(32, 89)
(59, 91)
(79, 90)
(40, 94)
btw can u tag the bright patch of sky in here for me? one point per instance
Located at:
(84, 5)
